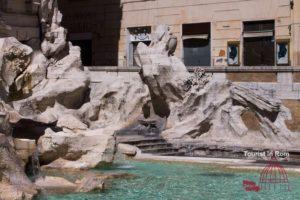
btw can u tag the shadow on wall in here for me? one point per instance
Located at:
(94, 25)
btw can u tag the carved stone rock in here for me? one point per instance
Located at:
(202, 108)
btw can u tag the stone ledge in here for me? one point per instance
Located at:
(256, 69)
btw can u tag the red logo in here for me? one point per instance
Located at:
(250, 186)
(272, 177)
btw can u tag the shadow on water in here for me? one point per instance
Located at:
(217, 175)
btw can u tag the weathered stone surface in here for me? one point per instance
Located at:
(90, 183)
(55, 35)
(24, 148)
(67, 84)
(55, 185)
(34, 74)
(68, 92)
(9, 192)
(14, 184)
(94, 182)
(49, 88)
(294, 122)
(127, 149)
(71, 122)
(81, 150)
(20, 144)
(207, 109)
(87, 181)
(14, 59)
(115, 102)
(58, 36)
(249, 98)
(68, 66)
(163, 74)
(8, 116)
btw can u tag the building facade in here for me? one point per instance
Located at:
(21, 19)
(210, 32)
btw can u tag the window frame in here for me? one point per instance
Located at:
(237, 44)
(283, 41)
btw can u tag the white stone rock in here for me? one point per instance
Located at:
(71, 122)
(127, 149)
(55, 35)
(14, 184)
(8, 116)
(55, 185)
(14, 59)
(205, 108)
(81, 150)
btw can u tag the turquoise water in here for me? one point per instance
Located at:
(181, 181)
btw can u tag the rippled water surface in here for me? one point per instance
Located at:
(181, 181)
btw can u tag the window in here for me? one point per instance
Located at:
(282, 52)
(233, 53)
(196, 44)
(137, 35)
(259, 45)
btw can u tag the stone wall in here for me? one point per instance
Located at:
(21, 16)
(96, 20)
(108, 22)
(296, 33)
(252, 77)
(226, 19)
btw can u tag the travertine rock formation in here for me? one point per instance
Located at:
(76, 150)
(14, 184)
(204, 108)
(118, 102)
(49, 88)
(15, 58)
(54, 34)
(127, 149)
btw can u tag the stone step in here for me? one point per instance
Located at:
(160, 150)
(153, 145)
(144, 141)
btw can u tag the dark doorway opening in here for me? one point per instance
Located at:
(86, 51)
(196, 44)
(259, 43)
(259, 51)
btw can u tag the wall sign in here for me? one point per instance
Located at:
(282, 52)
(140, 34)
(140, 37)
(233, 53)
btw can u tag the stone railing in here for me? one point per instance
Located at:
(284, 86)
(229, 69)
